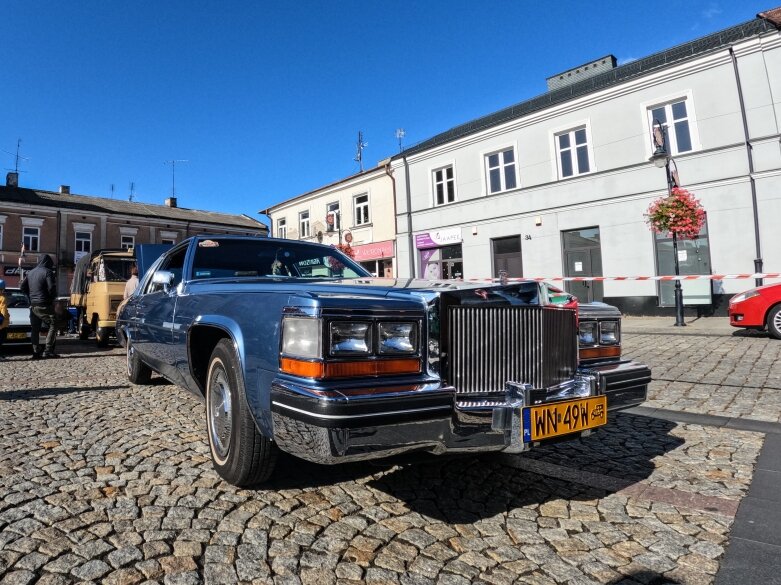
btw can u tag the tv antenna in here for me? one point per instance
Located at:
(132, 192)
(17, 156)
(400, 134)
(173, 173)
(359, 154)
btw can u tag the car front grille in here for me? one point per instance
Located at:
(489, 346)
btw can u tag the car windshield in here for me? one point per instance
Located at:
(114, 269)
(230, 258)
(16, 300)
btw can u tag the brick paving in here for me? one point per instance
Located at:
(104, 482)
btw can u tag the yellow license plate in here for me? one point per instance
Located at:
(561, 418)
(20, 335)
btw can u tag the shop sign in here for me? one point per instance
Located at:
(14, 270)
(438, 238)
(373, 251)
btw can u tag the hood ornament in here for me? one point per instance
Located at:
(482, 293)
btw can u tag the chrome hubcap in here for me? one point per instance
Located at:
(220, 412)
(777, 321)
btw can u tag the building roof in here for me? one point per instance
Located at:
(88, 204)
(667, 58)
(367, 172)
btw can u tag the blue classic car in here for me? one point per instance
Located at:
(295, 347)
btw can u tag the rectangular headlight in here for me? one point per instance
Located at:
(398, 338)
(587, 333)
(608, 332)
(350, 338)
(301, 337)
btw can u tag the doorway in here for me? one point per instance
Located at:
(507, 257)
(583, 257)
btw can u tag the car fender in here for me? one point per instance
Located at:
(258, 402)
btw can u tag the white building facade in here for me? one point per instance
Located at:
(358, 211)
(560, 184)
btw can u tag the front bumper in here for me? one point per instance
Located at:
(331, 427)
(18, 335)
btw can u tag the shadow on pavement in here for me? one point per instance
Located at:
(645, 578)
(467, 488)
(39, 393)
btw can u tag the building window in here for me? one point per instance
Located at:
(362, 209)
(282, 228)
(303, 224)
(445, 186)
(83, 242)
(674, 118)
(31, 238)
(500, 167)
(333, 218)
(573, 152)
(167, 241)
(127, 242)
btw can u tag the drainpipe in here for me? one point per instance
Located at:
(758, 260)
(389, 172)
(57, 248)
(409, 219)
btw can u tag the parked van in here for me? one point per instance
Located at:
(97, 290)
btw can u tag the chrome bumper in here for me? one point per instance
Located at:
(333, 427)
(625, 383)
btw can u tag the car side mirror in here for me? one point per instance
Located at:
(164, 278)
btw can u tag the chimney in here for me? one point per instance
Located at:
(65, 190)
(581, 72)
(171, 202)
(12, 179)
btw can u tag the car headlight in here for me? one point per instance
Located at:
(398, 338)
(350, 338)
(587, 332)
(608, 332)
(301, 337)
(743, 296)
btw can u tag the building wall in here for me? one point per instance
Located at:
(376, 183)
(621, 184)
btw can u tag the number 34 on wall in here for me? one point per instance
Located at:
(527, 237)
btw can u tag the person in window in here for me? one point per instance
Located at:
(39, 286)
(132, 282)
(5, 316)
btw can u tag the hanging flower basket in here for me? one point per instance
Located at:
(679, 214)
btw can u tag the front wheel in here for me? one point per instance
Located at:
(82, 327)
(774, 322)
(137, 371)
(240, 454)
(101, 336)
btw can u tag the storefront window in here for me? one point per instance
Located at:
(693, 258)
(442, 263)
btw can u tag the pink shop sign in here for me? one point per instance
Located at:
(374, 251)
(438, 238)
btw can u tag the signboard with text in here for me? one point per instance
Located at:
(438, 238)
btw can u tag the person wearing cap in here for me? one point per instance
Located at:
(40, 287)
(5, 316)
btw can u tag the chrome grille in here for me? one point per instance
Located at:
(488, 346)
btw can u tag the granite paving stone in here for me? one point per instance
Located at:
(108, 482)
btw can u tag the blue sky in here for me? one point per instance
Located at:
(265, 100)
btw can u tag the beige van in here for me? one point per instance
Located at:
(97, 290)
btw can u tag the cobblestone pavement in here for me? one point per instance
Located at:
(104, 482)
(732, 373)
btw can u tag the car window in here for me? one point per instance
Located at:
(237, 258)
(174, 264)
(16, 300)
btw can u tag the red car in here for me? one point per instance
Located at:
(758, 308)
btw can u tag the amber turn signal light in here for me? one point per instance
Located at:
(349, 369)
(588, 353)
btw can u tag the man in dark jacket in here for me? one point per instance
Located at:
(40, 287)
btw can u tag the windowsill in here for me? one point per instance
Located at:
(358, 227)
(577, 176)
(446, 204)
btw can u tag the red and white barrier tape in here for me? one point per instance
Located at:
(602, 278)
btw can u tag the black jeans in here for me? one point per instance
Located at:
(38, 316)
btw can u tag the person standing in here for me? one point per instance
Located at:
(40, 287)
(5, 316)
(132, 282)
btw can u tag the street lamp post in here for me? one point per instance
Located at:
(661, 158)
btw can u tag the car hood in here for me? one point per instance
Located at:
(516, 293)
